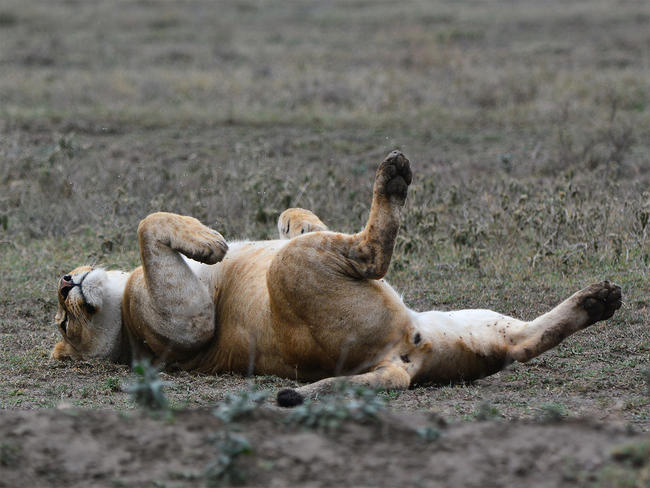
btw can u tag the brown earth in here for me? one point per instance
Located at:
(72, 448)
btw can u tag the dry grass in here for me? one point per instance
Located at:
(527, 125)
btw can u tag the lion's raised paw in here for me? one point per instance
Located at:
(204, 245)
(601, 300)
(394, 177)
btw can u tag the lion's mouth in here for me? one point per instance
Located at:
(67, 284)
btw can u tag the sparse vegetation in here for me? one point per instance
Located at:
(429, 433)
(9, 454)
(230, 444)
(551, 412)
(485, 411)
(347, 402)
(225, 470)
(241, 404)
(629, 467)
(636, 454)
(112, 384)
(147, 390)
(7, 19)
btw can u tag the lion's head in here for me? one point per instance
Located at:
(89, 316)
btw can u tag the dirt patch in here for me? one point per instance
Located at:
(73, 448)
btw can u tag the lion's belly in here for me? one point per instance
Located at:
(356, 320)
(245, 341)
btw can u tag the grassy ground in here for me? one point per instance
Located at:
(527, 124)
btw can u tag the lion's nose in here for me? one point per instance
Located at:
(66, 285)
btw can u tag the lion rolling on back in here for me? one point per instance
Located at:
(311, 305)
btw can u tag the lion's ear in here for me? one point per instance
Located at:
(62, 350)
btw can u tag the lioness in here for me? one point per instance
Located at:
(311, 305)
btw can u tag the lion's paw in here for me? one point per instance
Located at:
(183, 234)
(289, 397)
(600, 300)
(186, 235)
(204, 245)
(297, 221)
(394, 177)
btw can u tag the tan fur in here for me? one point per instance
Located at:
(297, 221)
(310, 306)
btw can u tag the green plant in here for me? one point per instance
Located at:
(389, 394)
(146, 388)
(485, 411)
(240, 404)
(551, 412)
(347, 402)
(231, 445)
(226, 470)
(635, 454)
(8, 454)
(629, 467)
(112, 384)
(8, 19)
(428, 433)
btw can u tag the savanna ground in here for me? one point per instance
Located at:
(528, 127)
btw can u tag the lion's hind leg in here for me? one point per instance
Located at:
(470, 344)
(386, 376)
(590, 305)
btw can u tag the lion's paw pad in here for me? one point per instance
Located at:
(394, 176)
(601, 300)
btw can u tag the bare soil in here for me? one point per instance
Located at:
(71, 448)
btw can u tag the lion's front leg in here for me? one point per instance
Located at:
(168, 303)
